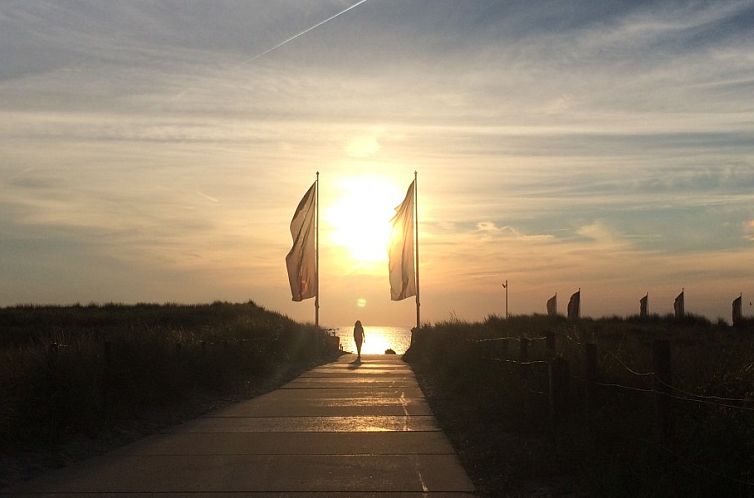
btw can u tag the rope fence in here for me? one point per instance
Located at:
(497, 339)
(517, 362)
(662, 390)
(626, 367)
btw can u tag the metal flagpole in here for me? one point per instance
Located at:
(416, 245)
(505, 286)
(316, 259)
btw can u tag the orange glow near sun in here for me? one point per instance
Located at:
(359, 218)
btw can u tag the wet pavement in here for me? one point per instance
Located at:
(342, 429)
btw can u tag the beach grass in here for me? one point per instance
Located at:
(497, 411)
(76, 380)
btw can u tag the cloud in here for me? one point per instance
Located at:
(208, 197)
(362, 147)
(600, 233)
(749, 230)
(491, 229)
(606, 143)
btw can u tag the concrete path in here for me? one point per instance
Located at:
(342, 429)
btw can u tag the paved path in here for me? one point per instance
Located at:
(341, 429)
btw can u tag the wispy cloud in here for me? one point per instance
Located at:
(604, 143)
(208, 197)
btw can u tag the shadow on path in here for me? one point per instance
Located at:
(354, 364)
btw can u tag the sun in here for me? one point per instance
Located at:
(359, 218)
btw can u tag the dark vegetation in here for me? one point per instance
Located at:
(79, 379)
(498, 416)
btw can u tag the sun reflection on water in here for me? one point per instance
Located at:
(376, 339)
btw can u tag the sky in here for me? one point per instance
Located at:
(154, 151)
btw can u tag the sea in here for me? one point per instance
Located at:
(376, 339)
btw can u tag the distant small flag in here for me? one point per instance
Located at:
(552, 305)
(643, 306)
(678, 305)
(574, 305)
(301, 260)
(737, 314)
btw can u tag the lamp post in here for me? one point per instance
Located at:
(505, 286)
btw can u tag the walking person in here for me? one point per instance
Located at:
(358, 337)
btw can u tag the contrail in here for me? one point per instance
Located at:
(180, 95)
(288, 40)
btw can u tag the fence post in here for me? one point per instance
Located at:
(107, 377)
(53, 395)
(662, 382)
(550, 344)
(52, 355)
(523, 352)
(107, 349)
(503, 348)
(523, 355)
(558, 395)
(590, 376)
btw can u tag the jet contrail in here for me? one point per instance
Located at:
(302, 33)
(181, 94)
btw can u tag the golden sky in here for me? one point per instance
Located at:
(150, 152)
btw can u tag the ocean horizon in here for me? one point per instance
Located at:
(377, 338)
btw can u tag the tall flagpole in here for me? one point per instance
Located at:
(316, 259)
(505, 286)
(416, 245)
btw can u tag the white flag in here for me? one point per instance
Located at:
(301, 260)
(401, 255)
(574, 305)
(552, 305)
(678, 305)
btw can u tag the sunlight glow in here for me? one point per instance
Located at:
(359, 219)
(363, 146)
(375, 341)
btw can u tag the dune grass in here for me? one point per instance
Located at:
(76, 373)
(497, 413)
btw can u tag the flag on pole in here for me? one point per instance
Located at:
(574, 305)
(401, 253)
(302, 258)
(737, 314)
(552, 305)
(678, 305)
(643, 306)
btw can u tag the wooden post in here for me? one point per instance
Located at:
(503, 348)
(590, 376)
(53, 395)
(524, 354)
(108, 354)
(107, 378)
(523, 349)
(663, 381)
(582, 334)
(558, 396)
(52, 355)
(550, 344)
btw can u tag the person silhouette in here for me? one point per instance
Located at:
(358, 337)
